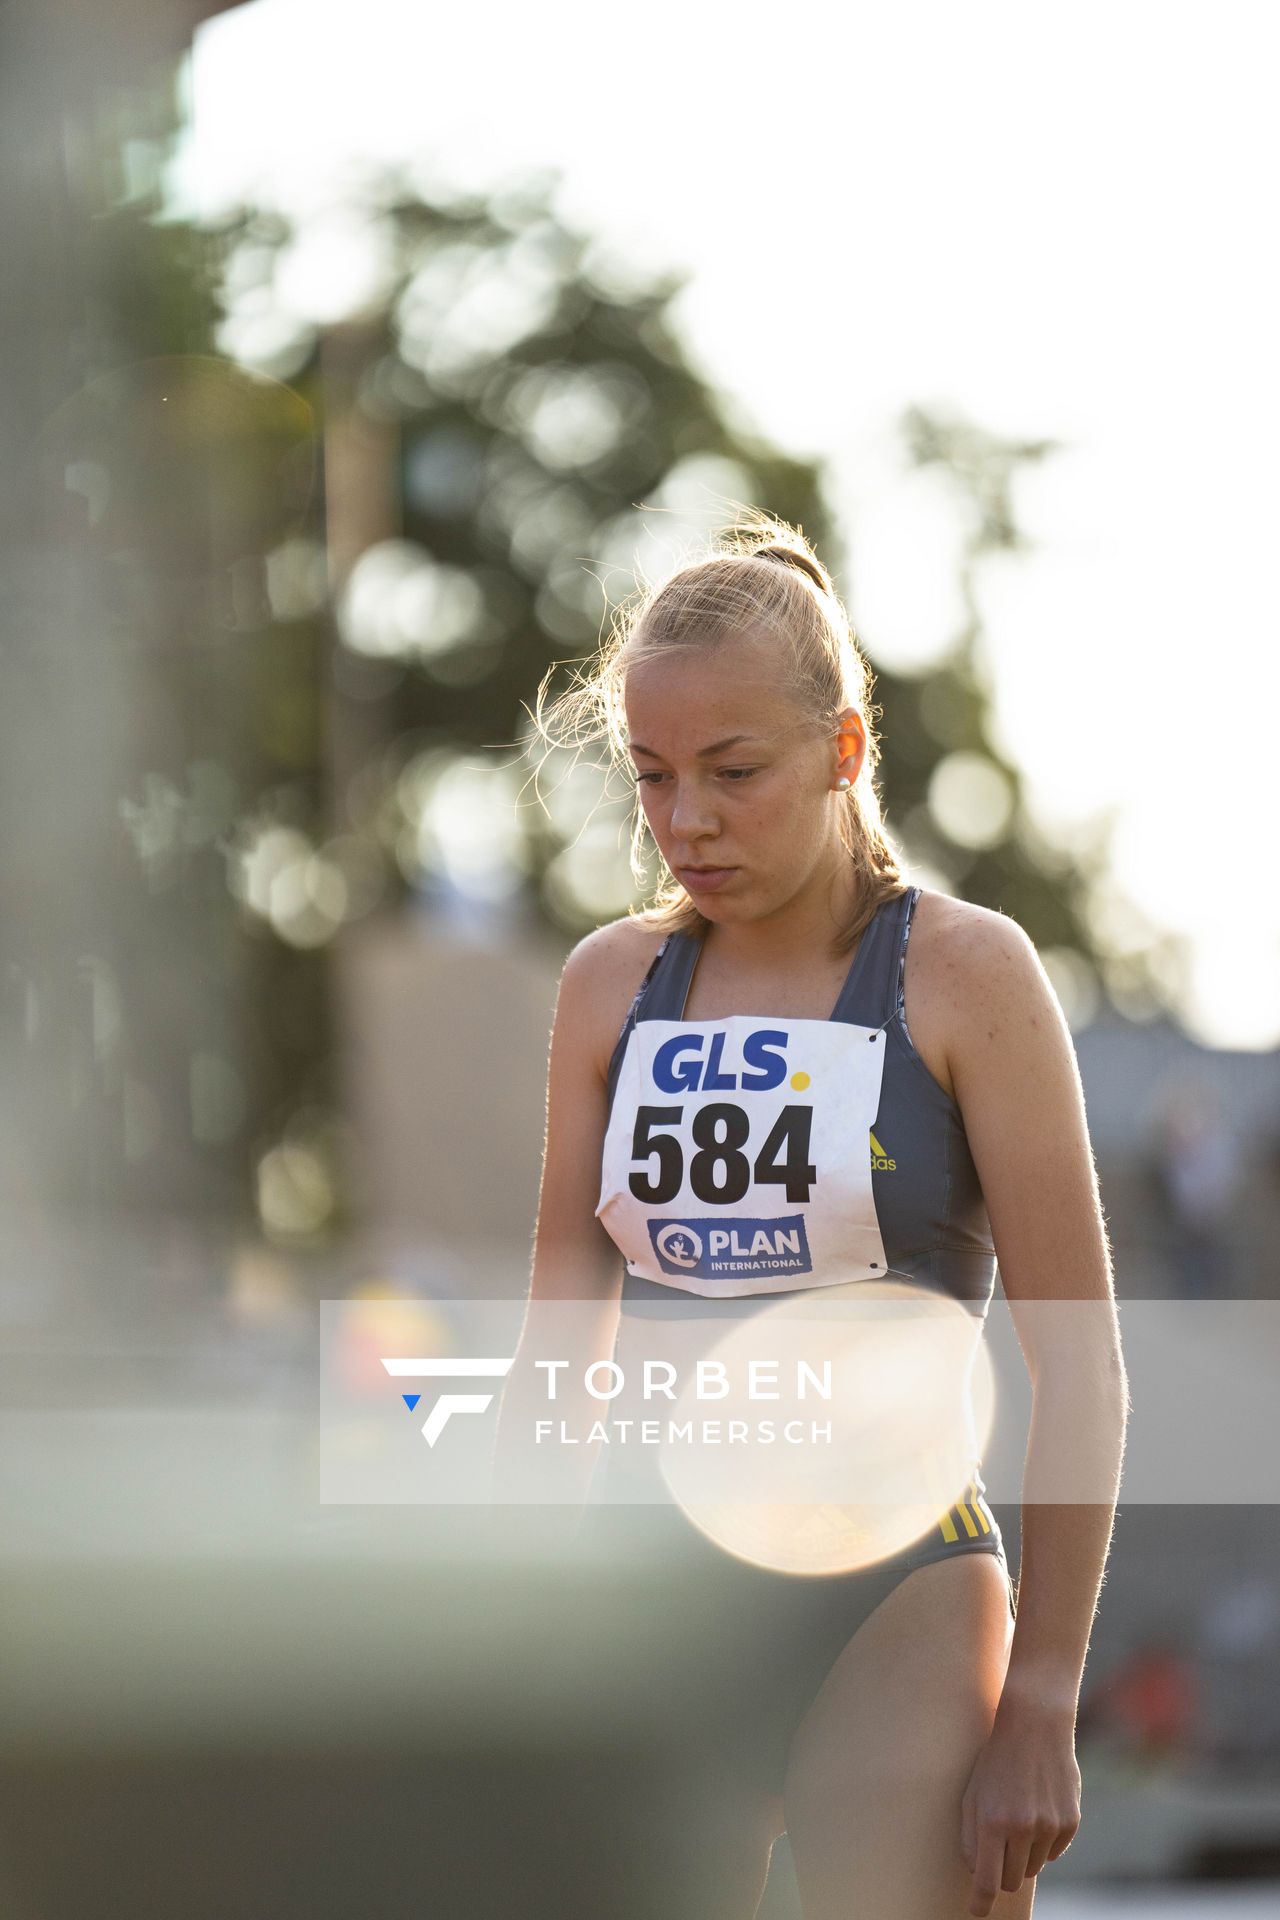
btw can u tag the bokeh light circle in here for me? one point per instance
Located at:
(912, 1411)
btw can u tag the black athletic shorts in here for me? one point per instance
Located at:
(727, 1657)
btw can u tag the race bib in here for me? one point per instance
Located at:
(738, 1158)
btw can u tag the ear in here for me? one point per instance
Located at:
(851, 744)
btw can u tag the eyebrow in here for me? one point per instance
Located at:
(704, 753)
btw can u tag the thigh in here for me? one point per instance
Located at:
(881, 1761)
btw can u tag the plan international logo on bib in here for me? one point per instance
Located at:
(714, 1251)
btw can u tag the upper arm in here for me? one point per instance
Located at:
(1018, 1085)
(574, 1257)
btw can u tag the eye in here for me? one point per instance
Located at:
(732, 774)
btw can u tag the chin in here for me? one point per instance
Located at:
(717, 912)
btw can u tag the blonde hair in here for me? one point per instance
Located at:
(760, 575)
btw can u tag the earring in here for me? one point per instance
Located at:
(842, 782)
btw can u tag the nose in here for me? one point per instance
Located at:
(691, 811)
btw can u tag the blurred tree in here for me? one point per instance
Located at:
(537, 405)
(340, 493)
(957, 800)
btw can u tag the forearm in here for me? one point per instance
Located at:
(1065, 1544)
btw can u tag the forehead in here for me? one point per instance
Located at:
(733, 687)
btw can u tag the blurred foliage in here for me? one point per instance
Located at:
(946, 711)
(537, 415)
(543, 422)
(201, 1039)
(335, 556)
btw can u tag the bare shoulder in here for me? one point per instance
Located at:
(603, 973)
(956, 934)
(965, 965)
(987, 997)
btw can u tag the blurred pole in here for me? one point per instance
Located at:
(128, 534)
(362, 508)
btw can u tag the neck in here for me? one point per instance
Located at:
(795, 934)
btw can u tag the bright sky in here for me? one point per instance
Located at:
(1058, 222)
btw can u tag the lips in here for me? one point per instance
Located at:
(700, 879)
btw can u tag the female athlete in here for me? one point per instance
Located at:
(909, 1729)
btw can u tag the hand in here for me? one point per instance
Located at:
(1021, 1807)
